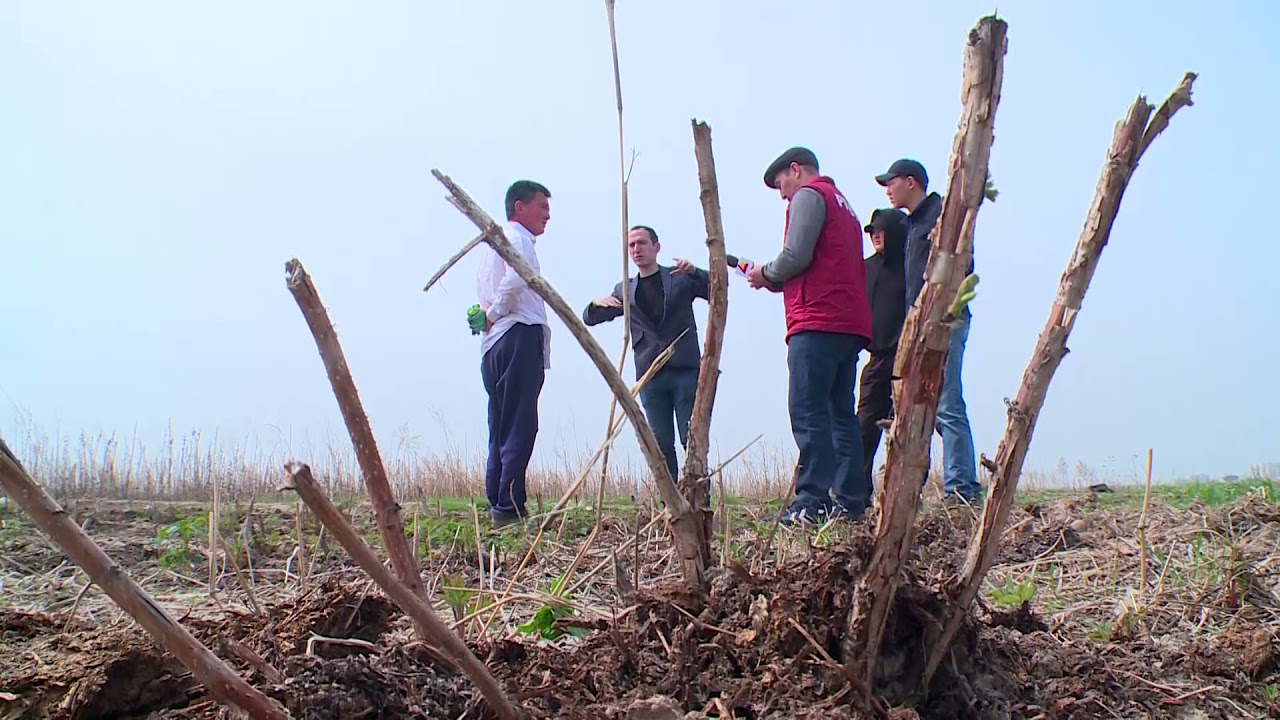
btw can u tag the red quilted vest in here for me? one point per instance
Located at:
(830, 295)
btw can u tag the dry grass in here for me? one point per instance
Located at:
(185, 467)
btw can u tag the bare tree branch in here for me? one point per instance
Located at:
(923, 349)
(385, 508)
(1132, 137)
(448, 265)
(694, 481)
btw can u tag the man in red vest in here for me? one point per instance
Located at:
(822, 278)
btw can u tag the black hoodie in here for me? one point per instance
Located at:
(887, 280)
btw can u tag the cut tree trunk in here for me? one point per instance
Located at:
(694, 482)
(385, 508)
(687, 527)
(437, 633)
(226, 686)
(925, 339)
(1132, 136)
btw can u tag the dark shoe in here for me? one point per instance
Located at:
(806, 516)
(956, 499)
(502, 519)
(849, 513)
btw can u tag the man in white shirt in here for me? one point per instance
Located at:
(515, 353)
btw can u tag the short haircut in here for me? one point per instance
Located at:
(523, 191)
(653, 235)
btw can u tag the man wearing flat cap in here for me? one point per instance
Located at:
(821, 276)
(906, 184)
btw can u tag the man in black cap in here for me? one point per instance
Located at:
(906, 184)
(886, 290)
(822, 278)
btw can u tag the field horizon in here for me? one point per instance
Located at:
(186, 466)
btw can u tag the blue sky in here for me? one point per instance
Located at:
(159, 162)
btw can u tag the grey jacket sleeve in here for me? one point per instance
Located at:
(593, 314)
(808, 212)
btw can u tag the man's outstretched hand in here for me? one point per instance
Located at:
(682, 266)
(608, 301)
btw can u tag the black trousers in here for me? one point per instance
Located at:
(875, 402)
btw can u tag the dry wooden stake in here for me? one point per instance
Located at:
(1132, 137)
(223, 683)
(923, 349)
(413, 605)
(687, 530)
(385, 509)
(694, 482)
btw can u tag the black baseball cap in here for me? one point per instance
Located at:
(800, 155)
(905, 168)
(883, 219)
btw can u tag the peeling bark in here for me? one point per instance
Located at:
(694, 482)
(923, 348)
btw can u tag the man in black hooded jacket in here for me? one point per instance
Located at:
(886, 290)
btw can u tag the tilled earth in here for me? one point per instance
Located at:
(762, 645)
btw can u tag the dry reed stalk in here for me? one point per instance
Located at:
(304, 572)
(385, 508)
(411, 603)
(1132, 137)
(1142, 522)
(213, 535)
(687, 530)
(223, 683)
(624, 175)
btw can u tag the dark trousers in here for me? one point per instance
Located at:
(875, 402)
(822, 369)
(513, 375)
(668, 405)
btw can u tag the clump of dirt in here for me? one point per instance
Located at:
(330, 609)
(393, 685)
(87, 674)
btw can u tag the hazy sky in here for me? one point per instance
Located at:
(159, 163)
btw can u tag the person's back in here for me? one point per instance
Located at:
(829, 295)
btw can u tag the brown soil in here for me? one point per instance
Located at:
(764, 645)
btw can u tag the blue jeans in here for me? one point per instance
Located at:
(823, 367)
(666, 397)
(960, 474)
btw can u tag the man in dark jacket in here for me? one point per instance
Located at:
(906, 184)
(886, 290)
(661, 308)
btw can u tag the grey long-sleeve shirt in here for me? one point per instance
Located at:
(808, 212)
